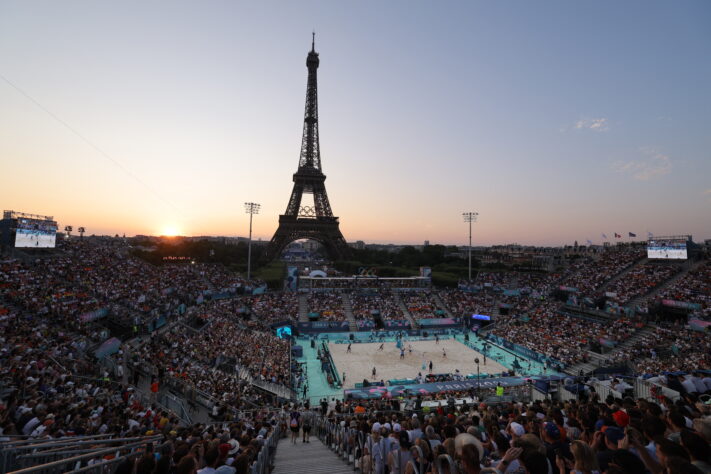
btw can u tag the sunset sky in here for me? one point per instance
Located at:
(555, 120)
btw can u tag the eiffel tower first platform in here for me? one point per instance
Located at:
(305, 222)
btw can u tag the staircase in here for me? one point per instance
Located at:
(575, 369)
(624, 272)
(275, 389)
(348, 309)
(440, 305)
(642, 300)
(599, 360)
(645, 331)
(308, 458)
(303, 308)
(405, 311)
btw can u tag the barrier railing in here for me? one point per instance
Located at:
(265, 458)
(176, 405)
(69, 454)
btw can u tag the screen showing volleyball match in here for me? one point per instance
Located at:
(35, 233)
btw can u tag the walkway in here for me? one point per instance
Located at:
(308, 458)
(318, 385)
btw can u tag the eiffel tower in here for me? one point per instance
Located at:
(306, 222)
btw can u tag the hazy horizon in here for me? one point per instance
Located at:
(555, 121)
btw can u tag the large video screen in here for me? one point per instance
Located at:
(35, 233)
(667, 249)
(283, 332)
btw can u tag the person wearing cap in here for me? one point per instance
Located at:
(469, 452)
(550, 434)
(516, 430)
(605, 443)
(621, 418)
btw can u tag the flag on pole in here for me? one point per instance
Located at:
(649, 234)
(632, 234)
(590, 242)
(617, 236)
(604, 236)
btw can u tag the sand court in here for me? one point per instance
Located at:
(359, 363)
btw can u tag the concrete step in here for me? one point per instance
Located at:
(303, 308)
(308, 458)
(624, 272)
(405, 311)
(441, 305)
(348, 309)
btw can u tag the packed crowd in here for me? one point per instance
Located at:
(231, 448)
(614, 436)
(641, 280)
(672, 347)
(560, 336)
(383, 301)
(587, 274)
(694, 287)
(467, 303)
(274, 307)
(220, 358)
(420, 304)
(329, 305)
(91, 274)
(51, 387)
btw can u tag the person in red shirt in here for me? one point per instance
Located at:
(154, 389)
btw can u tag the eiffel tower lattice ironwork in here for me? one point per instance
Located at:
(315, 222)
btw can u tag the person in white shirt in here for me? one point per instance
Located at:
(698, 382)
(707, 382)
(30, 426)
(688, 384)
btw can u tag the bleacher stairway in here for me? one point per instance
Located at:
(624, 272)
(308, 458)
(686, 267)
(348, 309)
(441, 305)
(303, 308)
(599, 360)
(405, 311)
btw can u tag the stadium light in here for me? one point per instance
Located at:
(250, 208)
(68, 229)
(470, 217)
(81, 231)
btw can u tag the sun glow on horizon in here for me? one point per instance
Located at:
(170, 231)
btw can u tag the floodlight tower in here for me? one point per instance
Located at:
(81, 231)
(68, 229)
(250, 208)
(470, 217)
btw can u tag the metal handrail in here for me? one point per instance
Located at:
(266, 455)
(81, 457)
(35, 442)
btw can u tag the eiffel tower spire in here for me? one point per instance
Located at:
(304, 222)
(310, 149)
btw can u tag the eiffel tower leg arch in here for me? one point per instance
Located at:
(323, 231)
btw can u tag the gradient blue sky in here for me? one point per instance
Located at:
(556, 121)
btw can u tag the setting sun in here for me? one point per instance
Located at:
(170, 231)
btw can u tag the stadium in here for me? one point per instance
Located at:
(98, 341)
(148, 355)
